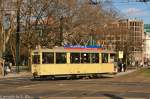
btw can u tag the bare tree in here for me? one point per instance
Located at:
(44, 22)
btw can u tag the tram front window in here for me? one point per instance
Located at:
(95, 57)
(112, 58)
(36, 59)
(61, 58)
(48, 58)
(104, 57)
(75, 58)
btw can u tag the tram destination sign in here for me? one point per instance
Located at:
(79, 47)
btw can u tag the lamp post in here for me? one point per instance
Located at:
(18, 36)
(61, 31)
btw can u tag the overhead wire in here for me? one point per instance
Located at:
(128, 2)
(134, 3)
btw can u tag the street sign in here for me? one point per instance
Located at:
(120, 54)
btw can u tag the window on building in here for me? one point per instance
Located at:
(61, 58)
(36, 59)
(104, 57)
(95, 57)
(85, 57)
(74, 57)
(47, 58)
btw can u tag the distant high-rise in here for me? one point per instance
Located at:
(120, 32)
(136, 27)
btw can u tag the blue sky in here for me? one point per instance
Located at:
(134, 9)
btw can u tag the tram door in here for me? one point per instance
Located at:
(113, 59)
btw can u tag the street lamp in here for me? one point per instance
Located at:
(18, 36)
(61, 31)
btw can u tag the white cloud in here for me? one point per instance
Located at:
(135, 12)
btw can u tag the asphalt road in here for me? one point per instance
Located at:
(26, 88)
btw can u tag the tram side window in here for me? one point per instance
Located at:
(104, 57)
(95, 57)
(61, 58)
(74, 57)
(36, 59)
(85, 57)
(48, 58)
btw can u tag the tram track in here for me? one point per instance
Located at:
(99, 82)
(24, 81)
(74, 88)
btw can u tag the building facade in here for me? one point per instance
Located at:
(125, 35)
(137, 36)
(147, 43)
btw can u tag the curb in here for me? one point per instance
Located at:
(125, 73)
(15, 75)
(28, 74)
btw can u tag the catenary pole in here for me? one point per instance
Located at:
(18, 36)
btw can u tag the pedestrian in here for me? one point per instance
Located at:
(119, 66)
(124, 67)
(6, 68)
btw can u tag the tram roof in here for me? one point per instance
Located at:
(62, 49)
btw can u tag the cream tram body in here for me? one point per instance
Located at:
(61, 61)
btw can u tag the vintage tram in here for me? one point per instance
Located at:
(73, 61)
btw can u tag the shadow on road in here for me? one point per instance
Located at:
(111, 96)
(67, 78)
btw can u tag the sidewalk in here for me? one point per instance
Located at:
(14, 74)
(29, 74)
(126, 72)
